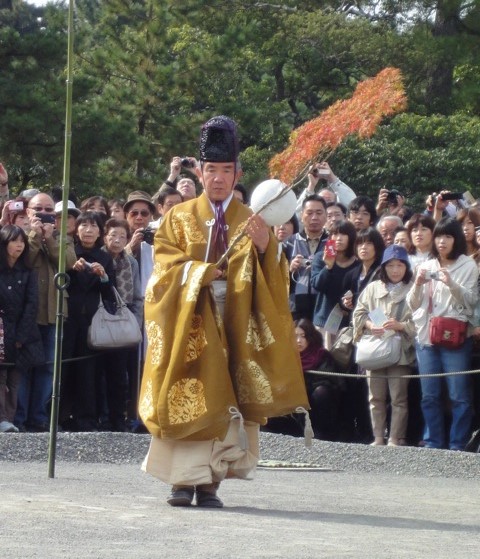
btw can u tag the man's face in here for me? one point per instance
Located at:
(360, 218)
(218, 180)
(71, 222)
(327, 195)
(186, 187)
(170, 201)
(41, 203)
(334, 215)
(138, 216)
(387, 231)
(314, 218)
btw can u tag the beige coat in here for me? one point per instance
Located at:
(43, 257)
(376, 296)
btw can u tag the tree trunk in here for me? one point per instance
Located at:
(440, 75)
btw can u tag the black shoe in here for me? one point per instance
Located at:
(181, 496)
(38, 428)
(207, 496)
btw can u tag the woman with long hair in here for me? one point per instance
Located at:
(445, 286)
(470, 220)
(387, 294)
(18, 313)
(324, 392)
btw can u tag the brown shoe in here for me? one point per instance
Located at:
(181, 496)
(207, 496)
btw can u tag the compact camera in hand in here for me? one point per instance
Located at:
(16, 206)
(46, 218)
(187, 162)
(148, 235)
(431, 275)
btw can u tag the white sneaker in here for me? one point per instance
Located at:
(7, 427)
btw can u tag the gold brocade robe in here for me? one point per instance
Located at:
(198, 366)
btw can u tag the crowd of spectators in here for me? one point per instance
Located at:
(341, 271)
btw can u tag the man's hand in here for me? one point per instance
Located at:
(175, 168)
(136, 240)
(296, 263)
(382, 200)
(45, 230)
(259, 232)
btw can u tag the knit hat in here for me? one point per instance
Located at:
(395, 252)
(219, 141)
(139, 196)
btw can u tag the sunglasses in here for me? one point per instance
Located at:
(43, 209)
(143, 213)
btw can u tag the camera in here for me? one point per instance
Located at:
(148, 235)
(319, 172)
(187, 162)
(392, 197)
(307, 263)
(431, 275)
(16, 206)
(46, 218)
(452, 196)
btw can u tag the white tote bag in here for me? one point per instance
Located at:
(110, 331)
(377, 352)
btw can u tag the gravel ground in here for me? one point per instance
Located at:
(276, 451)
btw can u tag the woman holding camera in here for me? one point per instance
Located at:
(328, 272)
(445, 288)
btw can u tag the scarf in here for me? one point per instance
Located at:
(311, 356)
(124, 277)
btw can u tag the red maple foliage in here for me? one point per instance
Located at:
(372, 100)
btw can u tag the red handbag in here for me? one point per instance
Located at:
(447, 332)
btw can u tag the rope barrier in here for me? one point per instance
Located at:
(5, 365)
(359, 375)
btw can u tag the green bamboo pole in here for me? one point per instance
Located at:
(61, 278)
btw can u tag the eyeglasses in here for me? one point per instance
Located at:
(359, 213)
(143, 213)
(47, 209)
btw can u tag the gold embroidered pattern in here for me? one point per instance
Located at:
(197, 339)
(243, 241)
(246, 271)
(259, 334)
(156, 279)
(145, 406)
(186, 230)
(186, 401)
(253, 386)
(155, 341)
(195, 282)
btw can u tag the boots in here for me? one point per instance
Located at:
(207, 496)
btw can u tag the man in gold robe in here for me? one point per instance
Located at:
(221, 357)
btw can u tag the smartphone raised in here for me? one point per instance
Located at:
(330, 249)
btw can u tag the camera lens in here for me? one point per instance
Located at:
(187, 163)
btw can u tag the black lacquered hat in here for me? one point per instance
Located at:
(219, 141)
